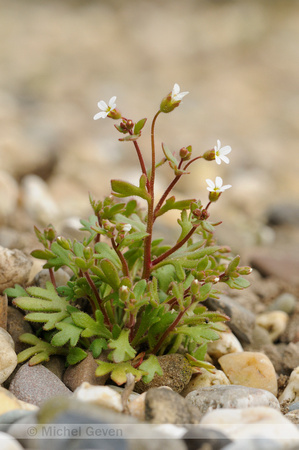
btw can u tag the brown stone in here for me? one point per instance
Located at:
(75, 375)
(3, 311)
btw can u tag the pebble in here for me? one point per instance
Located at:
(9, 193)
(8, 401)
(136, 406)
(37, 200)
(99, 395)
(10, 417)
(166, 406)
(3, 311)
(8, 356)
(227, 343)
(242, 321)
(258, 423)
(284, 302)
(291, 392)
(15, 268)
(252, 369)
(205, 379)
(199, 438)
(57, 365)
(293, 416)
(16, 326)
(259, 338)
(290, 357)
(9, 443)
(275, 322)
(294, 406)
(215, 397)
(283, 266)
(36, 384)
(61, 278)
(75, 375)
(176, 374)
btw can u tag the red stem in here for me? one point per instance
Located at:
(122, 258)
(95, 291)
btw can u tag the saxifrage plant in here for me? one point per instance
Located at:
(131, 295)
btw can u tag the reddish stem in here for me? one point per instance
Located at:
(95, 291)
(122, 258)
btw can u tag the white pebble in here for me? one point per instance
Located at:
(291, 392)
(274, 322)
(99, 395)
(8, 357)
(227, 343)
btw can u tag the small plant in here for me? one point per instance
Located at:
(130, 295)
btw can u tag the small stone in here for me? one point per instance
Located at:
(205, 379)
(137, 407)
(260, 422)
(8, 401)
(227, 343)
(3, 311)
(293, 416)
(259, 338)
(291, 333)
(166, 406)
(9, 193)
(294, 406)
(61, 278)
(9, 443)
(8, 357)
(75, 375)
(290, 357)
(215, 397)
(274, 322)
(99, 395)
(10, 417)
(16, 326)
(199, 438)
(285, 302)
(36, 384)
(274, 353)
(291, 392)
(37, 200)
(242, 321)
(57, 365)
(15, 268)
(177, 373)
(253, 369)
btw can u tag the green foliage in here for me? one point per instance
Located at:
(143, 298)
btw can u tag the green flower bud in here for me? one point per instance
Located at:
(213, 196)
(114, 114)
(64, 243)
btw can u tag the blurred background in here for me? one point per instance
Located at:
(238, 59)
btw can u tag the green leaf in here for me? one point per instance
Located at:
(62, 257)
(238, 283)
(118, 371)
(233, 265)
(134, 221)
(97, 346)
(122, 348)
(148, 318)
(139, 289)
(17, 291)
(198, 333)
(42, 254)
(130, 137)
(125, 189)
(103, 251)
(169, 156)
(133, 237)
(139, 125)
(152, 367)
(172, 204)
(203, 263)
(49, 306)
(91, 327)
(204, 291)
(40, 350)
(76, 355)
(166, 319)
(200, 353)
(110, 273)
(68, 332)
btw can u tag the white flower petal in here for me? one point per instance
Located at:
(100, 115)
(227, 186)
(112, 103)
(175, 90)
(211, 184)
(225, 150)
(103, 105)
(217, 159)
(218, 146)
(218, 182)
(224, 159)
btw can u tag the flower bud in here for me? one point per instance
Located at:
(63, 242)
(185, 153)
(213, 196)
(50, 234)
(124, 293)
(245, 270)
(87, 252)
(114, 114)
(195, 285)
(209, 155)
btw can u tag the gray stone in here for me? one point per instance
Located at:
(57, 365)
(36, 384)
(13, 416)
(290, 357)
(162, 405)
(177, 373)
(75, 375)
(61, 278)
(199, 438)
(284, 302)
(294, 406)
(235, 397)
(242, 321)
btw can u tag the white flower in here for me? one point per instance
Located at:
(127, 227)
(217, 186)
(105, 108)
(220, 153)
(176, 95)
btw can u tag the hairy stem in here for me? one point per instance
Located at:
(163, 198)
(141, 161)
(150, 215)
(122, 259)
(175, 247)
(52, 277)
(98, 299)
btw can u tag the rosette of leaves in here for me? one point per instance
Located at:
(130, 318)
